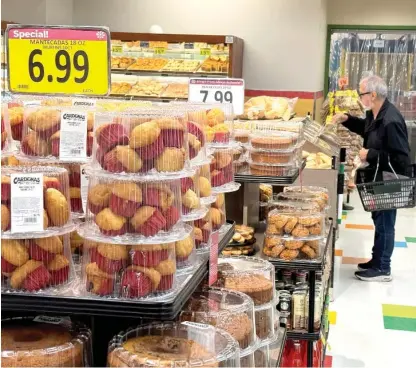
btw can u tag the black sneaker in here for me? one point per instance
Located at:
(347, 207)
(373, 274)
(365, 266)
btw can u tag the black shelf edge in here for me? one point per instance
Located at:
(305, 264)
(111, 307)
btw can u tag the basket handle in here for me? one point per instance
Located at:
(378, 164)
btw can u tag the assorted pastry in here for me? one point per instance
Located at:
(269, 108)
(215, 64)
(278, 247)
(243, 235)
(149, 64)
(179, 65)
(176, 90)
(147, 87)
(121, 62)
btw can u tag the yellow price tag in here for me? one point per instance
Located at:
(117, 48)
(58, 60)
(205, 51)
(160, 50)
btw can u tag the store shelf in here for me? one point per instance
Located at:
(166, 307)
(164, 73)
(305, 264)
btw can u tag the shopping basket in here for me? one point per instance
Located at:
(400, 192)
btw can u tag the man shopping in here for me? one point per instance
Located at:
(385, 139)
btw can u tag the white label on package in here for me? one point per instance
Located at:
(51, 320)
(379, 44)
(26, 202)
(73, 136)
(221, 90)
(84, 188)
(83, 102)
(32, 103)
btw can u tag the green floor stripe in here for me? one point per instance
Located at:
(400, 324)
(344, 213)
(394, 310)
(410, 239)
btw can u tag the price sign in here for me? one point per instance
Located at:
(227, 90)
(117, 48)
(160, 50)
(58, 60)
(205, 51)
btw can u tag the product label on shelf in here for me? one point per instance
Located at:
(226, 90)
(213, 258)
(73, 136)
(160, 50)
(229, 39)
(84, 102)
(116, 48)
(206, 51)
(378, 44)
(144, 44)
(84, 188)
(26, 202)
(58, 60)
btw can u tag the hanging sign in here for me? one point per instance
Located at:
(58, 60)
(221, 90)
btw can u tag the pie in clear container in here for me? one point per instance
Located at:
(171, 344)
(45, 341)
(321, 192)
(274, 140)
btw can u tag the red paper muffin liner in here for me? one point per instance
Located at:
(76, 205)
(47, 133)
(105, 264)
(194, 129)
(39, 254)
(111, 136)
(99, 155)
(5, 192)
(147, 165)
(51, 184)
(153, 225)
(149, 258)
(59, 276)
(74, 179)
(222, 137)
(153, 150)
(172, 216)
(123, 207)
(112, 164)
(173, 137)
(37, 279)
(151, 197)
(17, 131)
(186, 183)
(106, 287)
(7, 267)
(217, 178)
(135, 284)
(166, 283)
(121, 231)
(55, 146)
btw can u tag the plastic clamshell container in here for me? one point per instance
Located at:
(277, 247)
(16, 113)
(296, 225)
(251, 276)
(185, 251)
(266, 320)
(217, 213)
(6, 134)
(192, 207)
(268, 353)
(274, 140)
(274, 157)
(128, 271)
(281, 126)
(258, 169)
(77, 243)
(202, 230)
(203, 177)
(228, 310)
(45, 341)
(134, 211)
(41, 134)
(303, 197)
(306, 189)
(37, 265)
(292, 206)
(187, 344)
(222, 171)
(56, 202)
(147, 143)
(247, 359)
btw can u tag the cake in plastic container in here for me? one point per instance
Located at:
(45, 341)
(42, 136)
(296, 225)
(145, 143)
(289, 206)
(124, 208)
(321, 192)
(274, 157)
(192, 207)
(171, 344)
(274, 140)
(228, 310)
(250, 276)
(33, 265)
(304, 198)
(54, 198)
(128, 271)
(278, 247)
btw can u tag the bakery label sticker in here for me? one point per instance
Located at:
(26, 202)
(221, 90)
(73, 136)
(84, 102)
(213, 258)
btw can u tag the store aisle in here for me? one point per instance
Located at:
(374, 324)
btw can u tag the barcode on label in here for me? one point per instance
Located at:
(30, 220)
(75, 151)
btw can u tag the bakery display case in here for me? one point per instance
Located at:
(158, 66)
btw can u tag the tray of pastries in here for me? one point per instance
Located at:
(176, 90)
(148, 64)
(147, 87)
(244, 235)
(120, 88)
(215, 64)
(180, 65)
(121, 62)
(242, 250)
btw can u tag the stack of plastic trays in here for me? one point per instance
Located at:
(35, 252)
(44, 341)
(255, 278)
(185, 344)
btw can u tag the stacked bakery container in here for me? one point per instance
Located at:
(255, 278)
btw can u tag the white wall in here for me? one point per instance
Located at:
(284, 39)
(59, 12)
(372, 12)
(24, 11)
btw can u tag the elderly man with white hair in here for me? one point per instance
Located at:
(385, 139)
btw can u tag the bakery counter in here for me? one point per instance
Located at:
(165, 307)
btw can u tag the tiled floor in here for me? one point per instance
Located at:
(374, 324)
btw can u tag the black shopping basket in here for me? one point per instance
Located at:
(387, 194)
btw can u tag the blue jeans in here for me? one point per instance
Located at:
(384, 222)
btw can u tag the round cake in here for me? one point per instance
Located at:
(25, 343)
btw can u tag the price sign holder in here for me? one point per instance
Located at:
(220, 90)
(58, 60)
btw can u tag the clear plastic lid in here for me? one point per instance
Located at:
(45, 341)
(15, 113)
(55, 133)
(222, 171)
(133, 209)
(257, 169)
(303, 197)
(6, 134)
(171, 344)
(320, 191)
(265, 319)
(128, 271)
(250, 276)
(202, 233)
(229, 310)
(289, 206)
(282, 126)
(299, 225)
(54, 198)
(274, 140)
(217, 214)
(185, 250)
(274, 157)
(289, 249)
(34, 265)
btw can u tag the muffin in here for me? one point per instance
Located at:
(148, 255)
(13, 255)
(110, 258)
(122, 159)
(31, 276)
(172, 131)
(5, 218)
(138, 282)
(148, 221)
(44, 121)
(167, 270)
(184, 248)
(111, 224)
(57, 207)
(170, 160)
(110, 135)
(34, 145)
(125, 199)
(158, 195)
(98, 282)
(58, 269)
(45, 249)
(99, 197)
(147, 140)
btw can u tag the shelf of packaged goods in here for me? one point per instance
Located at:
(305, 264)
(165, 73)
(166, 307)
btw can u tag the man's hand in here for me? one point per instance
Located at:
(363, 154)
(339, 118)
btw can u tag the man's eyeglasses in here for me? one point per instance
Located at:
(363, 94)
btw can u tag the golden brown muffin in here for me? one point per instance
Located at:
(190, 200)
(170, 160)
(204, 187)
(128, 191)
(108, 221)
(184, 247)
(14, 252)
(144, 134)
(57, 207)
(5, 218)
(99, 197)
(219, 203)
(43, 120)
(20, 274)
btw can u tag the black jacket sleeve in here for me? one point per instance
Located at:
(355, 125)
